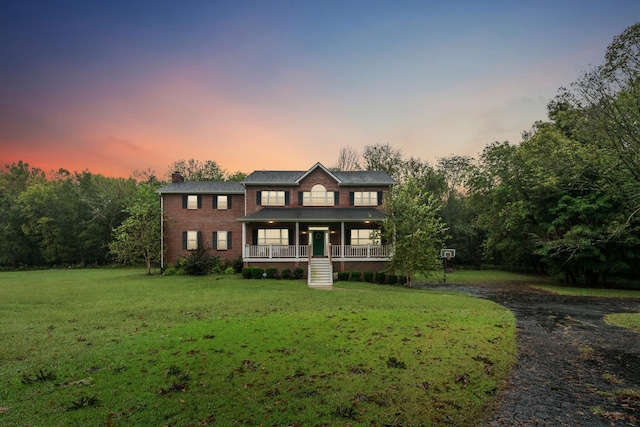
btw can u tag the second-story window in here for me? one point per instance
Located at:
(364, 198)
(222, 202)
(318, 196)
(191, 201)
(271, 198)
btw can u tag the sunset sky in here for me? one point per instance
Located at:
(115, 86)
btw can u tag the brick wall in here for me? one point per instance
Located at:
(318, 176)
(206, 220)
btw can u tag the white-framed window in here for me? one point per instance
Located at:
(318, 196)
(192, 201)
(273, 236)
(272, 198)
(363, 237)
(222, 240)
(365, 198)
(192, 240)
(222, 202)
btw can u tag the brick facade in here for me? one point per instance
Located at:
(246, 213)
(206, 220)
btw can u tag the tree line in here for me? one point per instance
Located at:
(565, 200)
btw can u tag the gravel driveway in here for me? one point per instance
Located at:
(573, 368)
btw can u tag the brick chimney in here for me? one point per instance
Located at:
(177, 177)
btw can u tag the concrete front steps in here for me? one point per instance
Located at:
(320, 274)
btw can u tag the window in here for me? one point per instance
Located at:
(365, 198)
(222, 240)
(273, 236)
(271, 198)
(192, 201)
(318, 196)
(222, 202)
(363, 237)
(191, 240)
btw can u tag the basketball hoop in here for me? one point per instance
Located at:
(447, 253)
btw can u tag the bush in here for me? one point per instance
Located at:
(392, 279)
(272, 273)
(381, 277)
(237, 264)
(246, 272)
(356, 276)
(175, 270)
(200, 262)
(257, 272)
(343, 276)
(298, 273)
(368, 276)
(287, 274)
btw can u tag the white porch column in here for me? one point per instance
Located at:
(244, 240)
(342, 239)
(297, 240)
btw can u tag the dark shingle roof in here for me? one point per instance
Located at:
(203, 187)
(343, 178)
(314, 214)
(273, 177)
(364, 178)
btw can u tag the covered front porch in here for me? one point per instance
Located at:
(288, 234)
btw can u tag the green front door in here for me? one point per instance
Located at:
(318, 243)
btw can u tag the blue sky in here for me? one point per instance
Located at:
(117, 86)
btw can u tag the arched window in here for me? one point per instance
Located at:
(318, 196)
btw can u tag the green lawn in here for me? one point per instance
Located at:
(624, 320)
(590, 292)
(115, 347)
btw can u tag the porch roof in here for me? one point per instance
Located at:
(315, 214)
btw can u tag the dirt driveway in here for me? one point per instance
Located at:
(573, 369)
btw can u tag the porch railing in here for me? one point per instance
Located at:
(304, 251)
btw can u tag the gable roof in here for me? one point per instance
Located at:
(203, 187)
(342, 178)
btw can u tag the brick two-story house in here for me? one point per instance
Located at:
(318, 219)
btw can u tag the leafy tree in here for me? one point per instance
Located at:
(51, 221)
(413, 226)
(456, 213)
(103, 201)
(385, 158)
(15, 247)
(138, 237)
(236, 176)
(608, 97)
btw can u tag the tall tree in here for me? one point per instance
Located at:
(195, 170)
(385, 158)
(137, 239)
(414, 227)
(463, 236)
(15, 247)
(348, 160)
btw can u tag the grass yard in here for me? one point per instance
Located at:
(624, 320)
(590, 292)
(118, 348)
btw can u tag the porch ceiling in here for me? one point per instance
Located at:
(314, 214)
